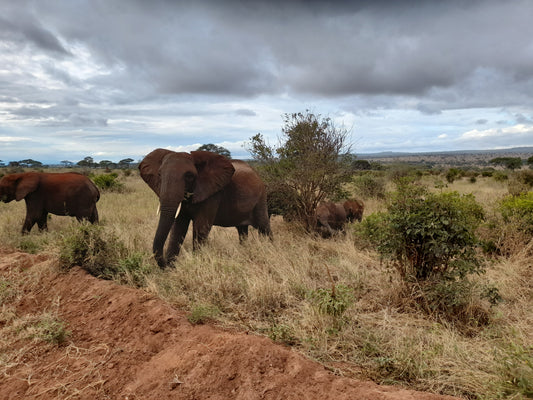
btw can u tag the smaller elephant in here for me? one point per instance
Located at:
(330, 218)
(69, 193)
(354, 210)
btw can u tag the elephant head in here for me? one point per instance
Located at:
(18, 186)
(354, 210)
(178, 177)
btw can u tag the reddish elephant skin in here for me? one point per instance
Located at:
(208, 189)
(354, 210)
(330, 218)
(69, 194)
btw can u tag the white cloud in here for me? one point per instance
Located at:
(519, 130)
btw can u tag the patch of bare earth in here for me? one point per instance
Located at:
(127, 344)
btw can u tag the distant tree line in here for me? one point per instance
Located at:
(88, 162)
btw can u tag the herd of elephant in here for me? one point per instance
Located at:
(201, 186)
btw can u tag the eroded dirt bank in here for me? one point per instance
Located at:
(127, 344)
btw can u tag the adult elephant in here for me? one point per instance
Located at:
(208, 189)
(354, 209)
(57, 193)
(330, 218)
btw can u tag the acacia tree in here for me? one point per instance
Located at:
(215, 149)
(308, 166)
(511, 163)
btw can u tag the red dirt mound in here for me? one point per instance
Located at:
(127, 344)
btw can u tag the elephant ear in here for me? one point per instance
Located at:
(214, 173)
(26, 184)
(149, 168)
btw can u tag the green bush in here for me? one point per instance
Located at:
(91, 248)
(427, 234)
(52, 330)
(108, 182)
(429, 238)
(370, 186)
(517, 371)
(453, 174)
(519, 209)
(133, 269)
(500, 176)
(332, 301)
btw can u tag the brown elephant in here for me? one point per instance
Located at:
(354, 209)
(330, 218)
(57, 193)
(208, 189)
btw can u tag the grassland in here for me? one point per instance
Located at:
(279, 289)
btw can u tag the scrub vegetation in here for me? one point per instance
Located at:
(432, 291)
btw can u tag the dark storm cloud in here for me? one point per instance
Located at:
(320, 48)
(16, 25)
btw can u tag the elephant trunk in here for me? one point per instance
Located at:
(168, 208)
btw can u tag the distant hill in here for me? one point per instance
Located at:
(458, 157)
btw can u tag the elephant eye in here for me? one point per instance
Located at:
(189, 177)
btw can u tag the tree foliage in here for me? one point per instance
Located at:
(213, 148)
(87, 162)
(507, 162)
(307, 167)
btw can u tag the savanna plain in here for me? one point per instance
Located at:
(337, 300)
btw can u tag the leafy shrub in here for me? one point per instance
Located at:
(133, 269)
(487, 172)
(51, 330)
(282, 333)
(108, 182)
(520, 183)
(282, 200)
(500, 176)
(30, 245)
(370, 186)
(517, 370)
(430, 240)
(525, 177)
(453, 174)
(427, 234)
(332, 301)
(90, 247)
(519, 209)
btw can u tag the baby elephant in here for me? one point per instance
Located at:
(62, 194)
(330, 218)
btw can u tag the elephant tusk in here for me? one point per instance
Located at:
(177, 211)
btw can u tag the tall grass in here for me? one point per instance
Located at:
(278, 289)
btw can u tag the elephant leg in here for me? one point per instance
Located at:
(31, 218)
(28, 224)
(262, 221)
(243, 233)
(177, 236)
(42, 222)
(203, 221)
(93, 218)
(200, 233)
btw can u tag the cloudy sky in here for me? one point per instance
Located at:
(113, 79)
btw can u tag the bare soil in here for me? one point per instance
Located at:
(125, 343)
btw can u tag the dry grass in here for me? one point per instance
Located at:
(267, 287)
